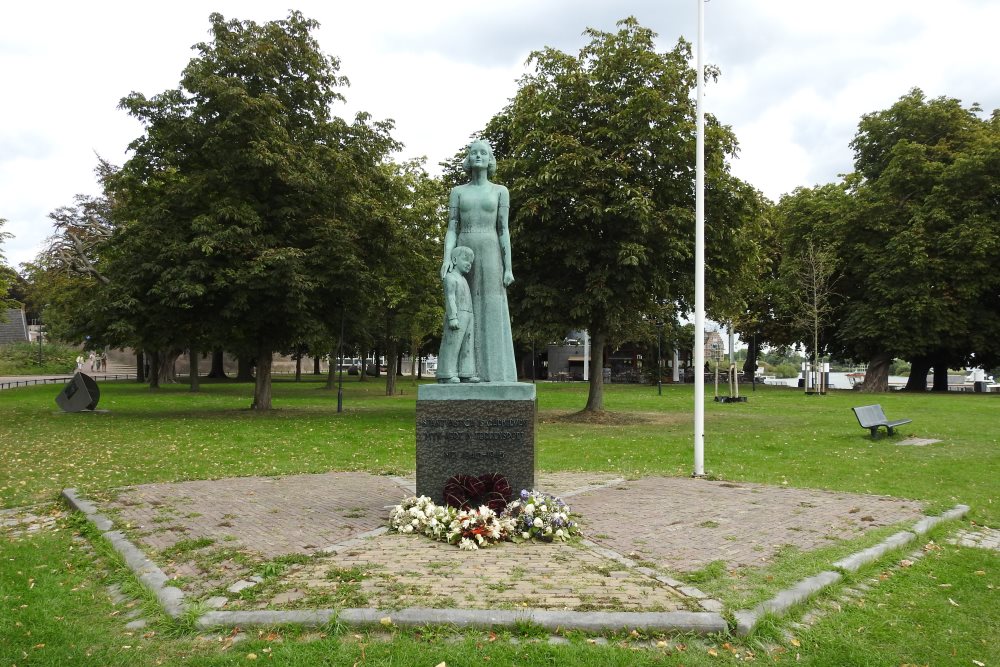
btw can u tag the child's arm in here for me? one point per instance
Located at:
(451, 301)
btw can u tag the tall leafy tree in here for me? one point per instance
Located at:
(920, 258)
(810, 227)
(247, 161)
(598, 151)
(402, 244)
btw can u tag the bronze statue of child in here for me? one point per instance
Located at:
(457, 358)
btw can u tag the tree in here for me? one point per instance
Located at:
(402, 244)
(810, 226)
(598, 151)
(246, 161)
(923, 238)
(7, 276)
(811, 276)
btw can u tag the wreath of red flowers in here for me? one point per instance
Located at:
(469, 492)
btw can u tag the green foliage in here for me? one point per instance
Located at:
(7, 275)
(598, 151)
(924, 235)
(251, 193)
(22, 359)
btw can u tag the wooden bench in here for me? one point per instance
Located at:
(871, 417)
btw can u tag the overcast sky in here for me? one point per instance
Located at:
(796, 75)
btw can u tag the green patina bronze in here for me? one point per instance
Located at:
(477, 219)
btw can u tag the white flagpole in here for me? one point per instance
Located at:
(699, 263)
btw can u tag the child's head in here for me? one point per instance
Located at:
(462, 258)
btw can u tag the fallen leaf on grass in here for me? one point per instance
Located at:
(952, 602)
(905, 562)
(979, 664)
(980, 572)
(712, 652)
(795, 642)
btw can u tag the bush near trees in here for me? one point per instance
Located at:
(22, 358)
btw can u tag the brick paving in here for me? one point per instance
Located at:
(644, 529)
(684, 524)
(412, 571)
(270, 516)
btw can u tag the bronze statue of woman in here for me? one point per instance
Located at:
(477, 218)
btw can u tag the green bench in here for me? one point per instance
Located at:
(871, 417)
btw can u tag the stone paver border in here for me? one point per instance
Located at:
(703, 622)
(746, 619)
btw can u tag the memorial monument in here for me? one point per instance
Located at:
(80, 394)
(478, 419)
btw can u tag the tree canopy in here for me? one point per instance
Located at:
(238, 209)
(598, 151)
(924, 236)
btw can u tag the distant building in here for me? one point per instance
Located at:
(715, 348)
(13, 326)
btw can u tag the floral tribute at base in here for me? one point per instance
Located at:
(532, 516)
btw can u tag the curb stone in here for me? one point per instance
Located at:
(172, 601)
(151, 576)
(700, 622)
(746, 619)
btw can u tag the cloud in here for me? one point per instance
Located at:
(796, 76)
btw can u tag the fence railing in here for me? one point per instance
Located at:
(11, 384)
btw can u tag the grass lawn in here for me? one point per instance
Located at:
(52, 588)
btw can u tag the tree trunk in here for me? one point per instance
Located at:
(940, 363)
(750, 365)
(167, 373)
(154, 369)
(262, 382)
(140, 366)
(193, 357)
(316, 369)
(877, 375)
(390, 367)
(218, 371)
(298, 365)
(244, 369)
(918, 374)
(331, 374)
(363, 375)
(595, 397)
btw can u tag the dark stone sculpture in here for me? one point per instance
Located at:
(80, 393)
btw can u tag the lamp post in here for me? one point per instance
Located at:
(659, 358)
(340, 381)
(699, 258)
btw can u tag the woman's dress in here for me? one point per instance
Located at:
(494, 346)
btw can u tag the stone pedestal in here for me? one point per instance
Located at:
(473, 429)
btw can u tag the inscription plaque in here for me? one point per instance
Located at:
(474, 437)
